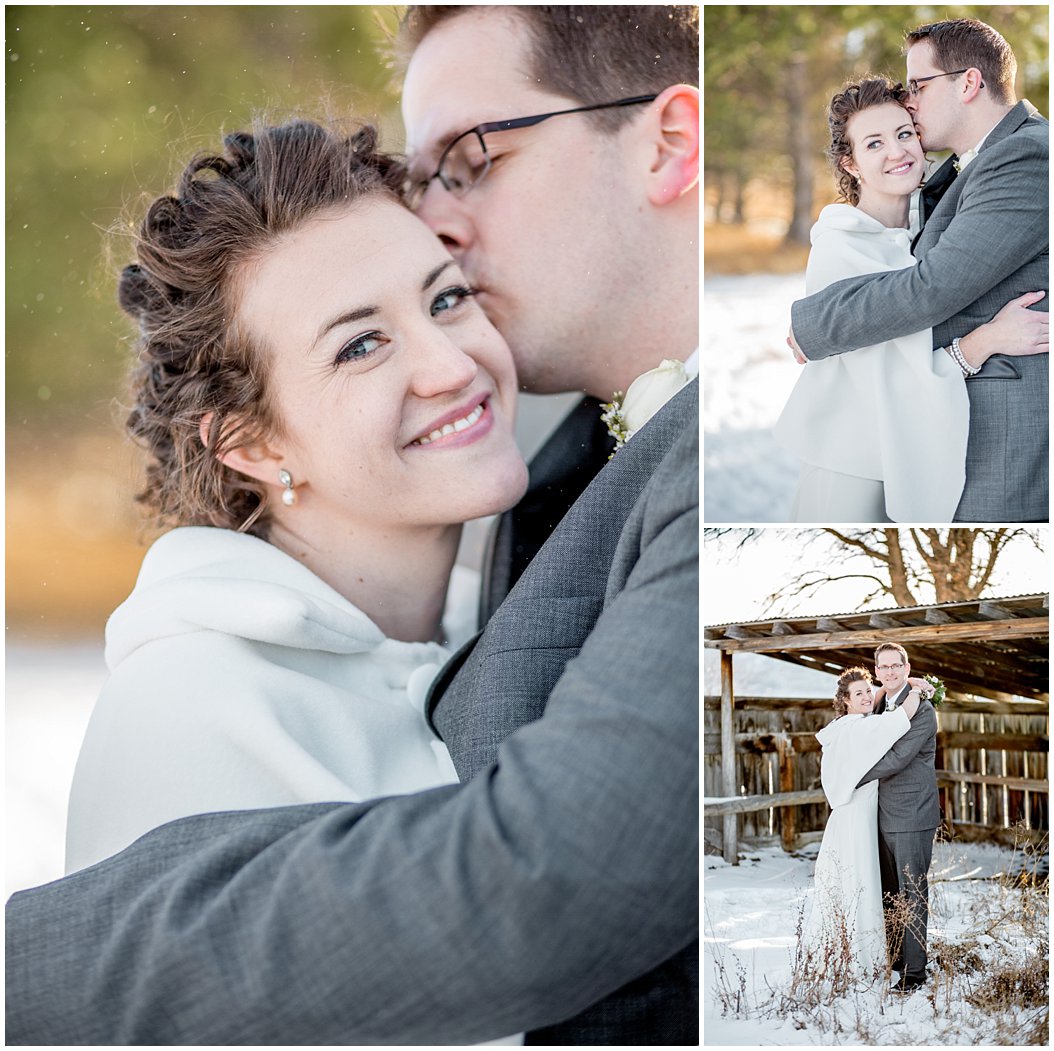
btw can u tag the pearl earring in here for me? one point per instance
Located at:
(289, 493)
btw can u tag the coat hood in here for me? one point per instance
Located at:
(202, 578)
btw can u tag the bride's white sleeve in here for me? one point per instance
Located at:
(860, 745)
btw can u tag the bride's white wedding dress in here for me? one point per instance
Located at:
(848, 886)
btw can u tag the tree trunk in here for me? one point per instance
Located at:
(740, 216)
(800, 148)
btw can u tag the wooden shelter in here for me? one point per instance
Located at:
(992, 654)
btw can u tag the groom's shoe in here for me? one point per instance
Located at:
(907, 985)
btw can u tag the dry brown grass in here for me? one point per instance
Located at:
(988, 983)
(73, 533)
(742, 250)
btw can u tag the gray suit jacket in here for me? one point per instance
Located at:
(566, 869)
(984, 244)
(545, 620)
(907, 779)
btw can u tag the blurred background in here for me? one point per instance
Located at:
(104, 107)
(768, 73)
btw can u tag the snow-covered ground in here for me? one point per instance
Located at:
(750, 915)
(748, 374)
(49, 693)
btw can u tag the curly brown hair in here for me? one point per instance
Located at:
(841, 693)
(192, 358)
(852, 99)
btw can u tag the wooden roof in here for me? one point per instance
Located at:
(989, 647)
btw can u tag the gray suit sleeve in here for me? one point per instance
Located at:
(1001, 222)
(923, 728)
(451, 916)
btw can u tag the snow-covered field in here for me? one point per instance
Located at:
(748, 374)
(49, 693)
(750, 915)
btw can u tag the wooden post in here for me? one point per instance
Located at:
(944, 802)
(788, 814)
(728, 757)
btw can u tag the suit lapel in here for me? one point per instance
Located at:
(559, 473)
(938, 183)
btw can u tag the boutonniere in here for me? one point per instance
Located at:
(626, 413)
(959, 164)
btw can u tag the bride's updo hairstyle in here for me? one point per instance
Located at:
(194, 251)
(853, 98)
(841, 693)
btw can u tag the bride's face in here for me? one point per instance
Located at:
(395, 395)
(861, 699)
(887, 155)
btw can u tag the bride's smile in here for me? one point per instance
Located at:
(861, 699)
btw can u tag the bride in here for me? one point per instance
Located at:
(845, 927)
(323, 405)
(882, 431)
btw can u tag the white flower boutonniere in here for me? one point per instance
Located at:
(626, 414)
(939, 690)
(959, 164)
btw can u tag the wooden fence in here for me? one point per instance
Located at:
(991, 770)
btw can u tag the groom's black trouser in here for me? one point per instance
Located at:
(904, 861)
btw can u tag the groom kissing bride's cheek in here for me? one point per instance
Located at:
(311, 806)
(928, 305)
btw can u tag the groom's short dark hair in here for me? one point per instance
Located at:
(595, 53)
(965, 43)
(896, 647)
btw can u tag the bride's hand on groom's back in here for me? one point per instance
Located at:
(1015, 331)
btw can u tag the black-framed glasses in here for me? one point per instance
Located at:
(913, 85)
(465, 161)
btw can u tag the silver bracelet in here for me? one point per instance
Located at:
(957, 356)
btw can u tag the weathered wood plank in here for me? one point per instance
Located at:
(934, 634)
(764, 743)
(994, 742)
(952, 704)
(1022, 783)
(746, 804)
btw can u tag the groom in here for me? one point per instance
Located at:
(557, 890)
(984, 243)
(908, 816)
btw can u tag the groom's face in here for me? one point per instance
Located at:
(936, 107)
(539, 236)
(892, 671)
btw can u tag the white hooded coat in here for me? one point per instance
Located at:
(239, 679)
(896, 412)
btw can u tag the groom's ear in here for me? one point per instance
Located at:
(674, 142)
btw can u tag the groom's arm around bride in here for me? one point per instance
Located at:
(984, 242)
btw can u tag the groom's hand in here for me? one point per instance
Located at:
(799, 357)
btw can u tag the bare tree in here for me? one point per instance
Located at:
(957, 563)
(905, 563)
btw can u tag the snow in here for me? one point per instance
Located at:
(750, 916)
(50, 691)
(749, 374)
